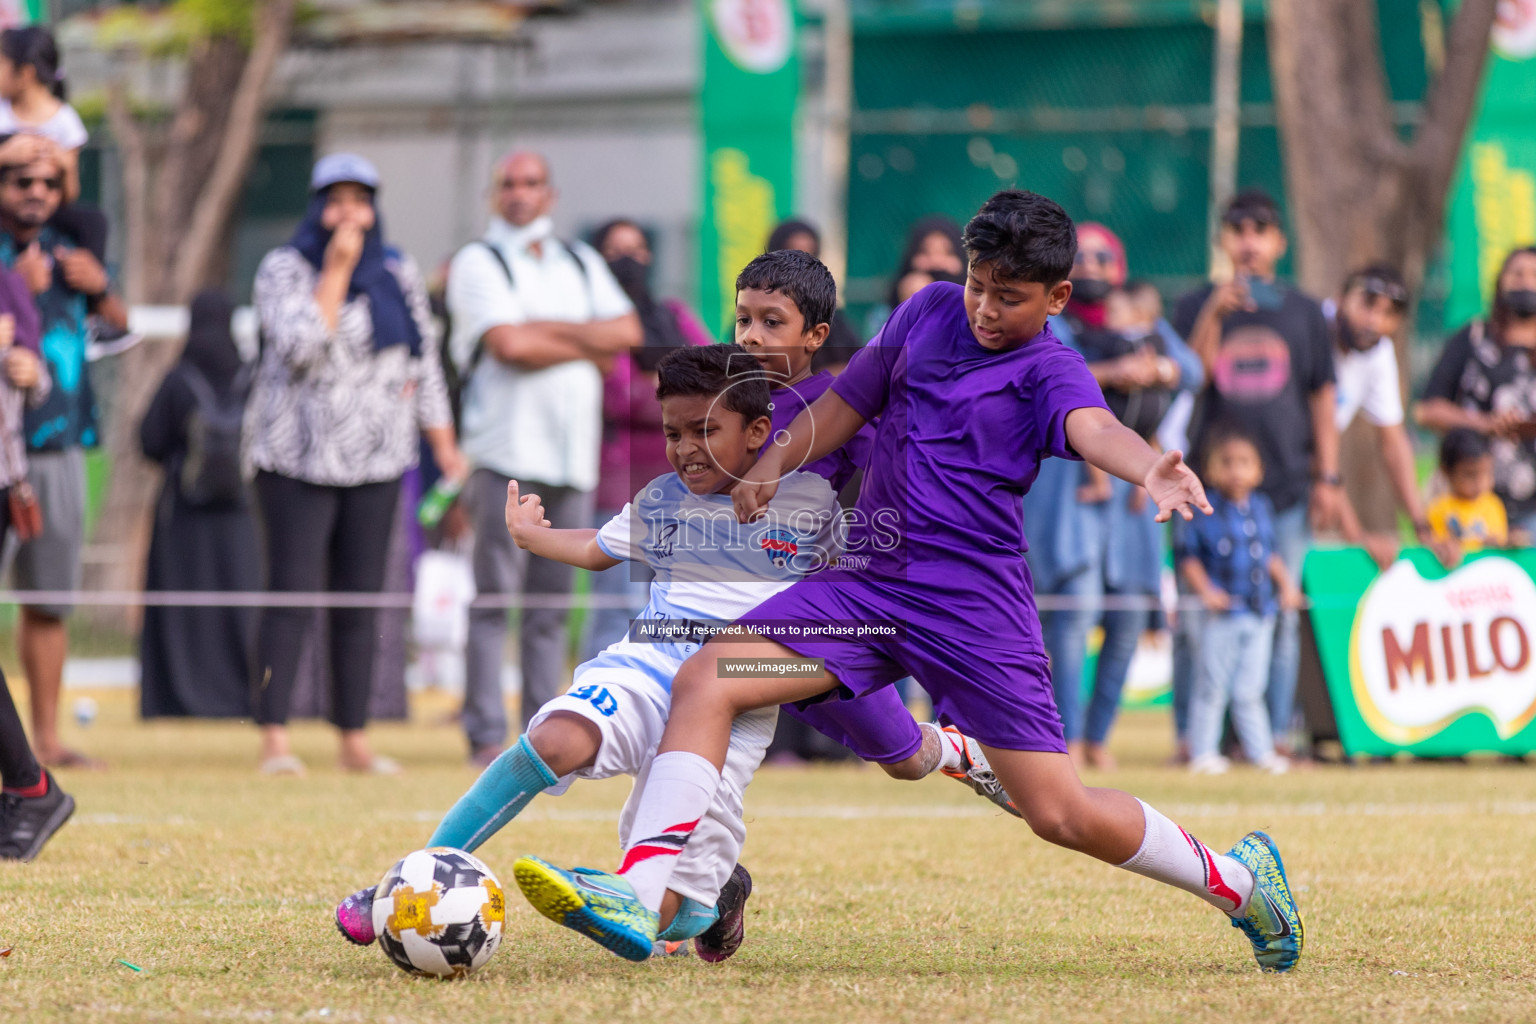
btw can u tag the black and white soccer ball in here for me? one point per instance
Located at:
(439, 912)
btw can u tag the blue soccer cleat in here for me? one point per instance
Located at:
(1273, 922)
(599, 905)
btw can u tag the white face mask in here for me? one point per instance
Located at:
(536, 230)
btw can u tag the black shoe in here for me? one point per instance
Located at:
(26, 823)
(724, 937)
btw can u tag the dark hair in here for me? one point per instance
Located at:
(935, 224)
(788, 229)
(1137, 287)
(1225, 433)
(34, 46)
(799, 277)
(1498, 318)
(1462, 444)
(601, 234)
(1253, 204)
(1023, 236)
(1380, 277)
(706, 371)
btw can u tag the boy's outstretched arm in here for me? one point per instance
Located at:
(1103, 441)
(531, 531)
(817, 432)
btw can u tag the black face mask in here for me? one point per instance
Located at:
(1520, 304)
(1091, 290)
(632, 276)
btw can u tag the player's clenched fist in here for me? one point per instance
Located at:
(752, 495)
(525, 513)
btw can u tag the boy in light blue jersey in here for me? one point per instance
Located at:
(709, 569)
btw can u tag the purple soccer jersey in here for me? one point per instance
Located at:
(938, 539)
(839, 467)
(962, 432)
(877, 727)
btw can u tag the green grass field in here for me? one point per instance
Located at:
(875, 900)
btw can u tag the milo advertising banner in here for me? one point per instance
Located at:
(1423, 660)
(747, 108)
(1493, 204)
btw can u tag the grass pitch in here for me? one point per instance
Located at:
(875, 900)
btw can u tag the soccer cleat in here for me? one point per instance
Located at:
(599, 905)
(26, 823)
(722, 939)
(1273, 922)
(354, 917)
(975, 771)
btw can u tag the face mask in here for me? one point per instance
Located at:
(631, 275)
(1090, 290)
(1520, 304)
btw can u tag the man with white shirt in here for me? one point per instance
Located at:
(1369, 310)
(534, 320)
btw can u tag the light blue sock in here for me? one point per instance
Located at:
(498, 795)
(693, 918)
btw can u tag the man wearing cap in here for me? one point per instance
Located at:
(534, 319)
(68, 285)
(1268, 356)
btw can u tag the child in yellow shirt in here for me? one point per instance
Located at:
(1470, 513)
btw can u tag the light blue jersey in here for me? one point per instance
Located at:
(709, 567)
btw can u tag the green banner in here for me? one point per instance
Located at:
(1423, 660)
(1493, 203)
(747, 111)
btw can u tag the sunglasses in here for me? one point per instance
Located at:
(525, 183)
(1375, 288)
(26, 183)
(1103, 259)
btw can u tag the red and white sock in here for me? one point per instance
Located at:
(1169, 854)
(677, 794)
(951, 748)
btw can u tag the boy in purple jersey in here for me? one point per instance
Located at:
(972, 391)
(784, 305)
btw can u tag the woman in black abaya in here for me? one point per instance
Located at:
(196, 660)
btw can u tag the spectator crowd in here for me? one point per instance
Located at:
(533, 358)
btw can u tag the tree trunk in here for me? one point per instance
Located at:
(181, 189)
(1358, 192)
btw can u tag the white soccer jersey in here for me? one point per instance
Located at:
(709, 567)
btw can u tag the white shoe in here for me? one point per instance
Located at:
(1209, 764)
(1274, 764)
(974, 771)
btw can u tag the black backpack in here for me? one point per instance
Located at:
(210, 473)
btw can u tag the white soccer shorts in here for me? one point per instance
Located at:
(630, 712)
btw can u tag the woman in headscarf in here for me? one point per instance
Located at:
(1072, 515)
(196, 661)
(349, 374)
(934, 252)
(842, 341)
(634, 450)
(1485, 380)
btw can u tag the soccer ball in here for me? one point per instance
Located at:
(439, 912)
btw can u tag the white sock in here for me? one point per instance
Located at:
(951, 748)
(1169, 854)
(677, 794)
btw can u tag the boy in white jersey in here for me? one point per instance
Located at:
(709, 570)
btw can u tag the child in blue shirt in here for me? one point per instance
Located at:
(1228, 559)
